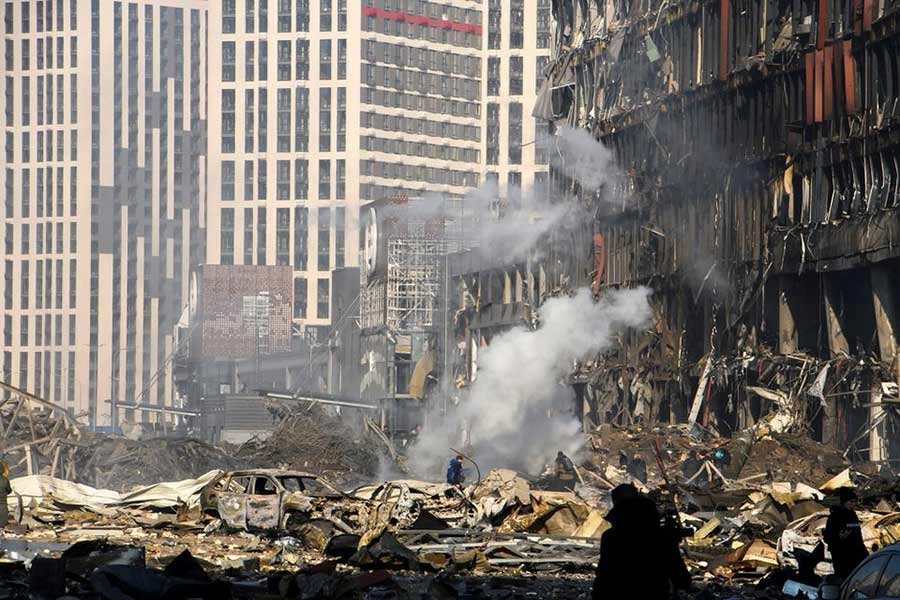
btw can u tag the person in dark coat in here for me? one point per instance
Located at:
(455, 471)
(637, 468)
(638, 557)
(843, 534)
(690, 467)
(564, 470)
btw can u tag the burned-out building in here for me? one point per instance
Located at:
(757, 143)
(404, 248)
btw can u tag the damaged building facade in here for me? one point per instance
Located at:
(757, 145)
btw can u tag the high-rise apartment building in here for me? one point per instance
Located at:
(317, 106)
(104, 141)
(517, 50)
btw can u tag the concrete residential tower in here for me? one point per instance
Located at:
(103, 181)
(318, 106)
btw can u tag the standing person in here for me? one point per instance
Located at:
(843, 534)
(5, 491)
(637, 468)
(638, 557)
(565, 470)
(455, 471)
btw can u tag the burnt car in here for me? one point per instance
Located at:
(264, 499)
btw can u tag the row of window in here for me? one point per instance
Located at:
(40, 330)
(292, 60)
(444, 129)
(41, 388)
(48, 284)
(415, 30)
(434, 10)
(291, 15)
(439, 106)
(45, 236)
(44, 56)
(515, 76)
(47, 15)
(425, 59)
(49, 99)
(291, 183)
(419, 149)
(374, 191)
(421, 82)
(43, 184)
(43, 147)
(514, 131)
(256, 120)
(426, 174)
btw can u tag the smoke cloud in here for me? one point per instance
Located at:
(518, 413)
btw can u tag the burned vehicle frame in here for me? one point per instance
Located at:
(269, 499)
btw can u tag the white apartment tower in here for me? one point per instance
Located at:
(103, 177)
(318, 106)
(517, 50)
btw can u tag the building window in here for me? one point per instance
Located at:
(495, 15)
(301, 126)
(248, 180)
(324, 254)
(248, 236)
(227, 180)
(492, 136)
(493, 74)
(263, 71)
(301, 239)
(515, 76)
(300, 299)
(325, 120)
(227, 16)
(302, 15)
(283, 236)
(340, 179)
(261, 185)
(263, 16)
(283, 180)
(227, 121)
(342, 59)
(284, 59)
(342, 120)
(516, 23)
(301, 179)
(324, 180)
(261, 235)
(226, 236)
(543, 24)
(342, 15)
(284, 120)
(262, 119)
(339, 237)
(228, 61)
(249, 117)
(302, 60)
(325, 59)
(284, 16)
(324, 15)
(322, 299)
(515, 133)
(249, 61)
(249, 16)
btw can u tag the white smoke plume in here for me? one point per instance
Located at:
(518, 413)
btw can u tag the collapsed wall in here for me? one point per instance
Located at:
(759, 200)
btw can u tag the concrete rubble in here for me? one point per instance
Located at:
(747, 528)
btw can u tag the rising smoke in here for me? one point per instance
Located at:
(519, 412)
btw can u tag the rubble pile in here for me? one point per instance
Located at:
(121, 464)
(312, 440)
